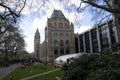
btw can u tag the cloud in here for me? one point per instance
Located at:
(82, 29)
(70, 8)
(39, 23)
(29, 44)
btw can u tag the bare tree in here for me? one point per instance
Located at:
(11, 41)
(103, 7)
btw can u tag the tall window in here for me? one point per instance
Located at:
(61, 34)
(55, 48)
(119, 19)
(61, 43)
(66, 26)
(50, 24)
(112, 32)
(55, 34)
(117, 2)
(61, 47)
(67, 35)
(94, 38)
(55, 24)
(67, 46)
(55, 43)
(60, 25)
(104, 38)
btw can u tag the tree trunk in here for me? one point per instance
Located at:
(6, 55)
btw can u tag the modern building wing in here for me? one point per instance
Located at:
(99, 38)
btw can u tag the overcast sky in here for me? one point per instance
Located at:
(33, 18)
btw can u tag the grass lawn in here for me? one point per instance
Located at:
(22, 73)
(50, 76)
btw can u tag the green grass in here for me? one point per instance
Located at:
(22, 73)
(50, 76)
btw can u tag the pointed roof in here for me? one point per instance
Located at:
(37, 34)
(57, 14)
(37, 31)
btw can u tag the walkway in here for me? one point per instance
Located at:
(39, 74)
(6, 70)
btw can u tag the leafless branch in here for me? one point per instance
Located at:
(22, 7)
(90, 2)
(10, 12)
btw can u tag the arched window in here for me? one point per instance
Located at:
(61, 34)
(55, 43)
(55, 48)
(50, 24)
(61, 43)
(67, 47)
(67, 43)
(119, 19)
(66, 26)
(60, 25)
(55, 34)
(61, 47)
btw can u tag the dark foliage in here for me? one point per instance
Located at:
(103, 66)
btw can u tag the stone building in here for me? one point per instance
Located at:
(59, 38)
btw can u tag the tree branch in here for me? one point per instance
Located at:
(9, 9)
(111, 10)
(8, 12)
(108, 4)
(22, 7)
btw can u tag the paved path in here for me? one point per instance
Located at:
(6, 70)
(39, 74)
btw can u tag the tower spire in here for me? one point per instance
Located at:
(37, 34)
(37, 44)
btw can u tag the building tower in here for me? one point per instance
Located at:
(37, 45)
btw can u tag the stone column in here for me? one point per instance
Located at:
(116, 29)
(84, 43)
(78, 44)
(98, 38)
(116, 34)
(109, 36)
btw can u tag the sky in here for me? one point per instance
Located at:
(36, 16)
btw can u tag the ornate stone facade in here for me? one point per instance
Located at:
(59, 36)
